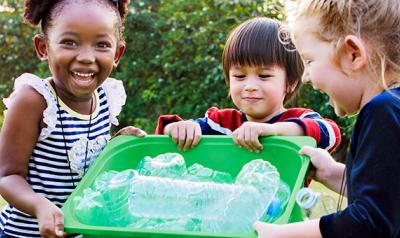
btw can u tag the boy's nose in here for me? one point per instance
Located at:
(251, 84)
(85, 55)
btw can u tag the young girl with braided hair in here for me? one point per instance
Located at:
(55, 128)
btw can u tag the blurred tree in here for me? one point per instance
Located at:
(17, 53)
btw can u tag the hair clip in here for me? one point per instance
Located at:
(116, 3)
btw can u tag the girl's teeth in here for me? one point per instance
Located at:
(84, 74)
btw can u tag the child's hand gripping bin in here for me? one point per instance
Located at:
(215, 152)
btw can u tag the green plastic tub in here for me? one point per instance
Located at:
(216, 152)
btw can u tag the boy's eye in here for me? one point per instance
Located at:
(265, 76)
(239, 76)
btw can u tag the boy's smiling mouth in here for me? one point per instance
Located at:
(252, 99)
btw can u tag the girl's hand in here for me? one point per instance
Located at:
(184, 133)
(131, 130)
(267, 230)
(309, 229)
(50, 219)
(261, 228)
(321, 160)
(247, 135)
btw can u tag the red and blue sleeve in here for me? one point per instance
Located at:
(325, 131)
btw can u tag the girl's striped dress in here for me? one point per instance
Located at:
(49, 172)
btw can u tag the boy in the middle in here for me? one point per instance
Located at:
(262, 75)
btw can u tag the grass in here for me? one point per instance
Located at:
(318, 187)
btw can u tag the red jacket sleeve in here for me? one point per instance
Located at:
(164, 120)
(325, 131)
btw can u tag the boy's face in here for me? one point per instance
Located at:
(323, 74)
(82, 47)
(259, 92)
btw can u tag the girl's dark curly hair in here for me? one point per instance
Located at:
(42, 11)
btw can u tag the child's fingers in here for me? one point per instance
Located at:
(59, 224)
(247, 139)
(174, 131)
(242, 138)
(314, 153)
(251, 140)
(182, 133)
(238, 138)
(189, 138)
(197, 136)
(307, 150)
(255, 141)
(47, 229)
(131, 130)
(259, 227)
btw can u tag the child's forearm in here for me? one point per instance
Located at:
(336, 178)
(16, 191)
(307, 229)
(283, 129)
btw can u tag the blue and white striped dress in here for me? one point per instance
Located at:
(49, 172)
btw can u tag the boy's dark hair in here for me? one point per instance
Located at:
(41, 11)
(255, 42)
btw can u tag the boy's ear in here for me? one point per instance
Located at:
(40, 47)
(355, 52)
(290, 89)
(118, 53)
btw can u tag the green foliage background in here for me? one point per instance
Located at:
(172, 64)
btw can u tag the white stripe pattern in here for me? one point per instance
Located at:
(49, 173)
(217, 127)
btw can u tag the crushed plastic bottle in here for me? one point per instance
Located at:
(127, 199)
(278, 203)
(220, 207)
(314, 204)
(90, 208)
(116, 198)
(200, 173)
(168, 165)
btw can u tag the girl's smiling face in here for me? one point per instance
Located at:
(345, 92)
(82, 47)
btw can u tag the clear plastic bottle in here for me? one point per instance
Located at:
(89, 208)
(200, 173)
(219, 207)
(129, 199)
(116, 198)
(314, 204)
(210, 202)
(108, 204)
(168, 165)
(278, 203)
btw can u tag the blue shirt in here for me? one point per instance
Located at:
(372, 174)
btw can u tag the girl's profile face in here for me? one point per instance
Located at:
(259, 92)
(82, 47)
(323, 74)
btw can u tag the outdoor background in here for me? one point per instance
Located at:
(172, 64)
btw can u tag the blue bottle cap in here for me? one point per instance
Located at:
(274, 208)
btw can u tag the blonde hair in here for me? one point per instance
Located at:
(376, 22)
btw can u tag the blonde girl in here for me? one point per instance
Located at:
(351, 51)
